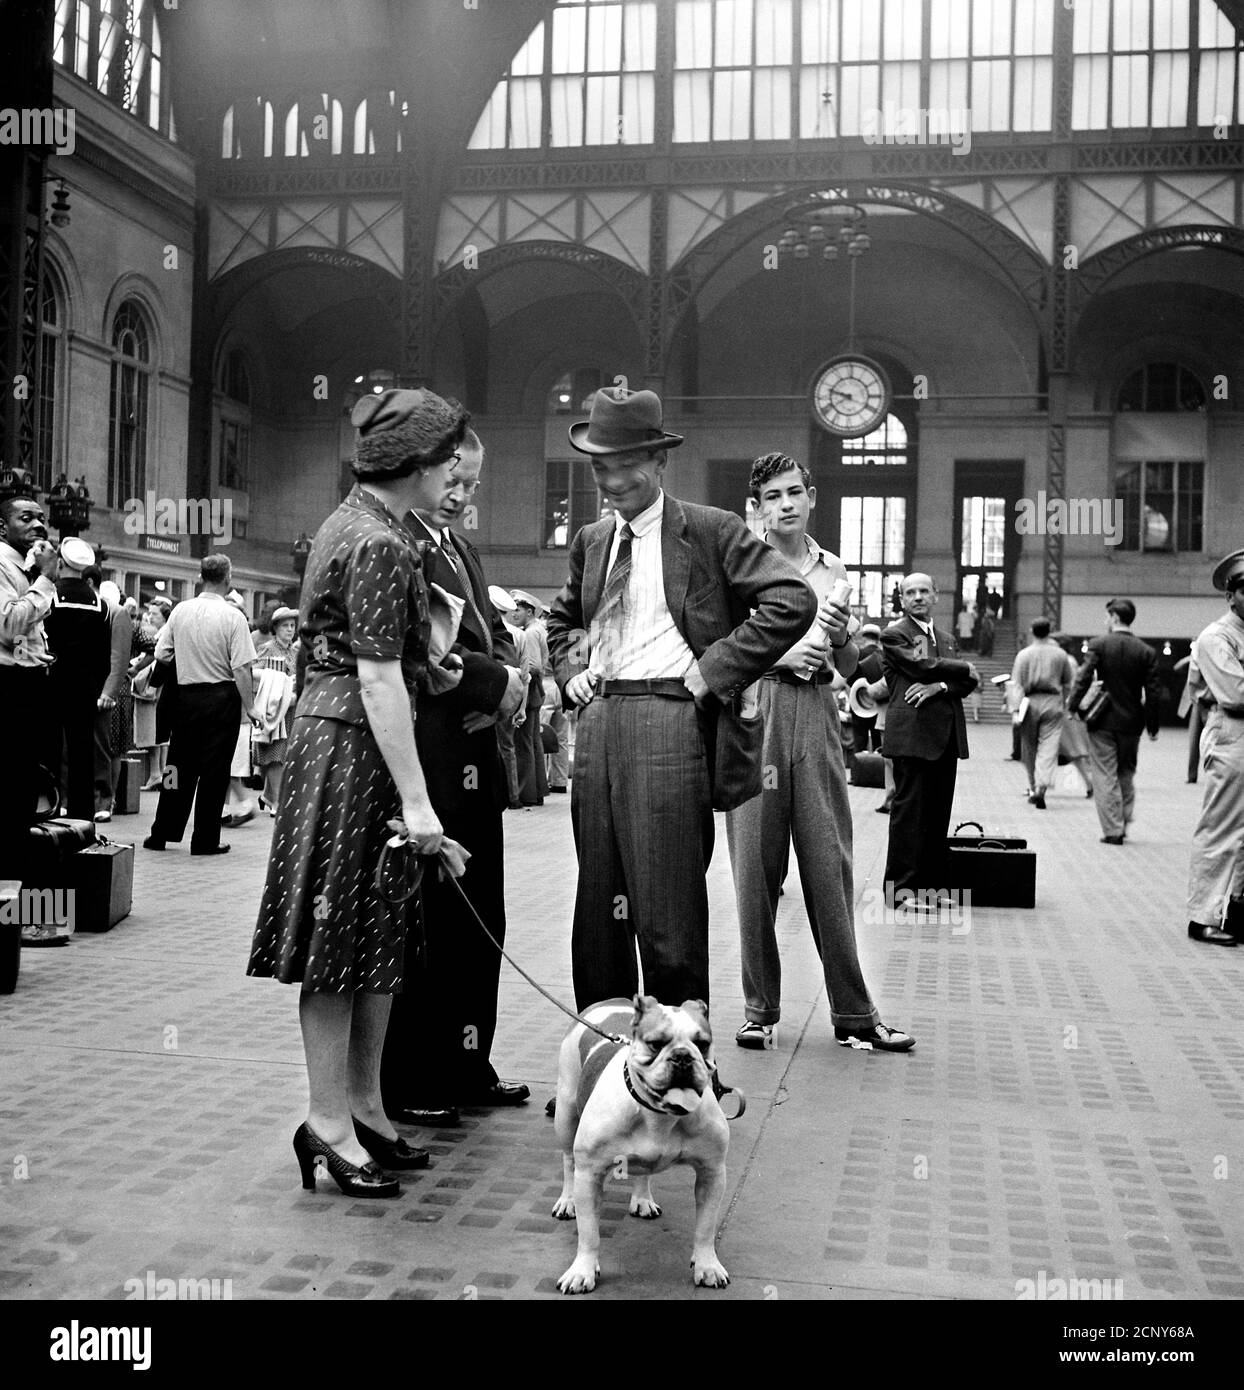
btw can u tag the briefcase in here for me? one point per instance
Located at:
(868, 770)
(998, 871)
(102, 878)
(129, 784)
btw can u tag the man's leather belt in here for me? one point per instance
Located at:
(790, 678)
(670, 689)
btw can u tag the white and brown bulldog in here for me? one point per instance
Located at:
(634, 1110)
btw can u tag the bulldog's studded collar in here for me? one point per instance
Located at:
(630, 1086)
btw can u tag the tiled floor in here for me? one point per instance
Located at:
(1073, 1105)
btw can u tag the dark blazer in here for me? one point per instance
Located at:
(1128, 669)
(923, 732)
(737, 603)
(446, 750)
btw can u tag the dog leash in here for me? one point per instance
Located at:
(411, 884)
(399, 840)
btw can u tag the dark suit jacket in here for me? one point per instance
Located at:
(923, 732)
(446, 750)
(716, 573)
(1128, 669)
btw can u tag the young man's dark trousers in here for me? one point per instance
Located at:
(200, 752)
(24, 698)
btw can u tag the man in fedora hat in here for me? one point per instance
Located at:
(1216, 679)
(670, 611)
(805, 794)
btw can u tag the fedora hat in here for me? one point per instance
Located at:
(1223, 570)
(622, 422)
(861, 701)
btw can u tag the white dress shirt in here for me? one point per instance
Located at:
(23, 606)
(643, 643)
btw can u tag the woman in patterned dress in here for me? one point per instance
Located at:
(352, 767)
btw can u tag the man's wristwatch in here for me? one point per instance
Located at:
(945, 687)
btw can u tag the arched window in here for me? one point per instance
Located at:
(234, 416)
(48, 462)
(1162, 387)
(129, 402)
(116, 44)
(872, 533)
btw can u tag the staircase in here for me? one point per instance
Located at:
(1005, 645)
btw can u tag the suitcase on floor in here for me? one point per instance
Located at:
(10, 944)
(868, 770)
(998, 871)
(102, 878)
(1234, 920)
(129, 784)
(53, 843)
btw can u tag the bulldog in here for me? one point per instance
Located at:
(634, 1109)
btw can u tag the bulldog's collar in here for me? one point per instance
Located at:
(630, 1086)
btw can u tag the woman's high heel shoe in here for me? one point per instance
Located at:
(367, 1181)
(394, 1154)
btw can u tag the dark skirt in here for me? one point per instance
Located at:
(322, 924)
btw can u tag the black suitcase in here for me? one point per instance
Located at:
(997, 871)
(10, 947)
(129, 784)
(868, 770)
(53, 843)
(102, 877)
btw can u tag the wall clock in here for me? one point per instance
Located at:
(851, 396)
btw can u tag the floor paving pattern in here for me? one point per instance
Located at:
(1072, 1108)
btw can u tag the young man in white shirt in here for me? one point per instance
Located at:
(804, 791)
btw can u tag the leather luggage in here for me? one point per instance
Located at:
(102, 878)
(10, 947)
(53, 843)
(129, 784)
(998, 871)
(868, 770)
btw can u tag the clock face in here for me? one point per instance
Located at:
(851, 396)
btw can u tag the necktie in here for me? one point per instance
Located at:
(607, 623)
(447, 545)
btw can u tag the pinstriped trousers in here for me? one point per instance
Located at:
(805, 796)
(642, 814)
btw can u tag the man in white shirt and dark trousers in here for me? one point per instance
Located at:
(210, 640)
(804, 793)
(670, 611)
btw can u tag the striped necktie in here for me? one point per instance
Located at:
(609, 616)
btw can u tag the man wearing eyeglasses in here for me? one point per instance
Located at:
(441, 1026)
(1216, 679)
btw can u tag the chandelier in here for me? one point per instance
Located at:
(827, 232)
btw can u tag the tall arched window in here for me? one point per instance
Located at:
(1159, 473)
(48, 463)
(129, 403)
(873, 520)
(116, 44)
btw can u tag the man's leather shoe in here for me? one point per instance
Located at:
(215, 849)
(153, 842)
(550, 1107)
(558, 791)
(878, 1038)
(1112, 839)
(43, 936)
(500, 1093)
(437, 1117)
(1213, 936)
